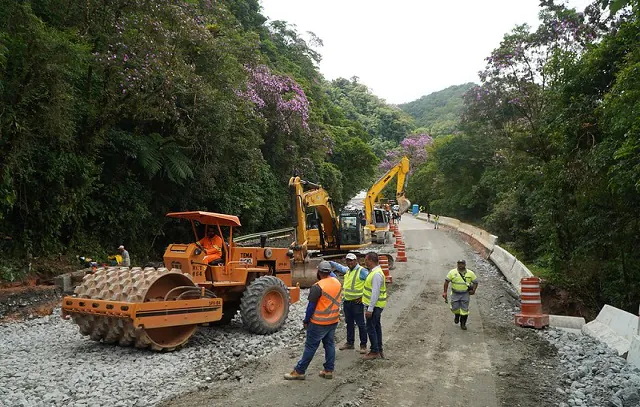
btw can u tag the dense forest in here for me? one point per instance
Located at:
(115, 113)
(548, 152)
(439, 113)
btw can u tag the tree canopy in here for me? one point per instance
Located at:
(438, 113)
(549, 150)
(115, 113)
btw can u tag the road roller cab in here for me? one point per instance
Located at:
(161, 308)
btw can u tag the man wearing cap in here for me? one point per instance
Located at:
(354, 277)
(321, 320)
(463, 284)
(126, 260)
(374, 297)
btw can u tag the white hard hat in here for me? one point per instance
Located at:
(351, 256)
(121, 247)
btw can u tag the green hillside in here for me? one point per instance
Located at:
(439, 112)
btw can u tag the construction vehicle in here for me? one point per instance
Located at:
(319, 233)
(162, 308)
(318, 227)
(377, 222)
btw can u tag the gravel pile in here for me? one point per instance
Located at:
(45, 361)
(594, 374)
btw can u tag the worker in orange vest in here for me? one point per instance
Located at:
(320, 321)
(212, 245)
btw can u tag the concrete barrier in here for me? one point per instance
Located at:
(633, 357)
(502, 259)
(614, 327)
(518, 272)
(569, 324)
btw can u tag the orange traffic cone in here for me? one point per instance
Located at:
(402, 255)
(531, 304)
(384, 264)
(398, 242)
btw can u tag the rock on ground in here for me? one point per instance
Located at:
(45, 361)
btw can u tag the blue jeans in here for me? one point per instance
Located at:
(374, 329)
(354, 314)
(316, 334)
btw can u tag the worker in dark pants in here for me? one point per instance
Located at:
(463, 285)
(354, 277)
(374, 297)
(321, 320)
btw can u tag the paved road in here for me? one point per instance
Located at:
(430, 361)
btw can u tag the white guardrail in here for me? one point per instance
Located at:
(617, 328)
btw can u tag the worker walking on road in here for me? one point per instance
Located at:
(374, 297)
(436, 221)
(320, 321)
(463, 284)
(354, 278)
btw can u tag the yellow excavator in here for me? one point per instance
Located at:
(377, 217)
(317, 225)
(319, 233)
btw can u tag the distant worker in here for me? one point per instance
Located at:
(463, 284)
(421, 209)
(126, 260)
(436, 221)
(374, 297)
(354, 277)
(320, 321)
(212, 245)
(428, 217)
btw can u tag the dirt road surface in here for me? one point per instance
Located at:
(429, 360)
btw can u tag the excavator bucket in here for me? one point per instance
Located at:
(404, 204)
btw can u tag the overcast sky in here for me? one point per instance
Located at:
(404, 49)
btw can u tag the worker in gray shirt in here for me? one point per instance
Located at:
(126, 260)
(374, 297)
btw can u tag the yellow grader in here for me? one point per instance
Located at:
(162, 308)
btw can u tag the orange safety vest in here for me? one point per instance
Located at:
(328, 307)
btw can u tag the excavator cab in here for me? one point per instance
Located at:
(352, 229)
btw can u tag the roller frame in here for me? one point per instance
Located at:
(154, 314)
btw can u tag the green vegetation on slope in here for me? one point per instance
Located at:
(549, 152)
(115, 113)
(438, 113)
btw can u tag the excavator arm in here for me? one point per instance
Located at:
(400, 170)
(318, 198)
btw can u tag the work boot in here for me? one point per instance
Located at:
(371, 356)
(346, 346)
(294, 375)
(463, 322)
(326, 374)
(456, 319)
(363, 349)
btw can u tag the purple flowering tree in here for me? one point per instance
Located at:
(528, 63)
(277, 97)
(413, 147)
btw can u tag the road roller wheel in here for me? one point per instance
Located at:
(265, 305)
(132, 285)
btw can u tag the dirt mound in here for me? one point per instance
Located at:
(558, 301)
(22, 302)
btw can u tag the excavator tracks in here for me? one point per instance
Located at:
(128, 285)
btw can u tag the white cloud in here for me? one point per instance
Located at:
(406, 48)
